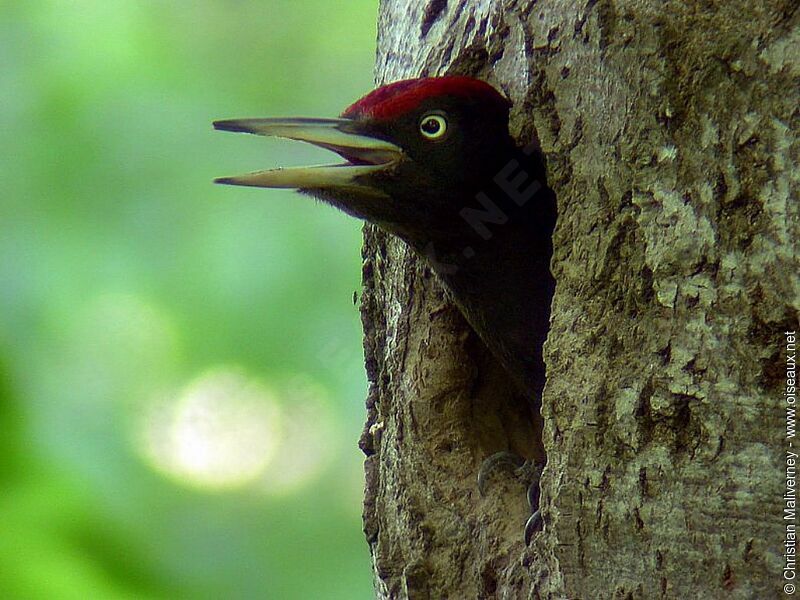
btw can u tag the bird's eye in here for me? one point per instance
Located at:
(433, 127)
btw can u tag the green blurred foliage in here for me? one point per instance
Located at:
(125, 276)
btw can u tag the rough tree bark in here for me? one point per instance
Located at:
(671, 135)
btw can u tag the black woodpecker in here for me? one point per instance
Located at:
(432, 162)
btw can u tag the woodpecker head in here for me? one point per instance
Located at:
(413, 151)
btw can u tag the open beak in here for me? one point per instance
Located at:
(364, 154)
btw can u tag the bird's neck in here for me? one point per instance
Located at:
(497, 269)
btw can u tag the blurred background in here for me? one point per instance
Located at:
(181, 379)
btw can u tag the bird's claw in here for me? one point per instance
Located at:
(529, 470)
(533, 525)
(494, 462)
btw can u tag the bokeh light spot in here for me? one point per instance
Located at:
(220, 432)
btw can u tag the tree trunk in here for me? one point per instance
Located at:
(670, 130)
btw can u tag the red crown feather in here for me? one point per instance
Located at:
(394, 99)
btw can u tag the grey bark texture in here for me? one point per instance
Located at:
(670, 130)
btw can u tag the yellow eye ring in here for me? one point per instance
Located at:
(433, 127)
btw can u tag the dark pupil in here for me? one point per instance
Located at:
(431, 126)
